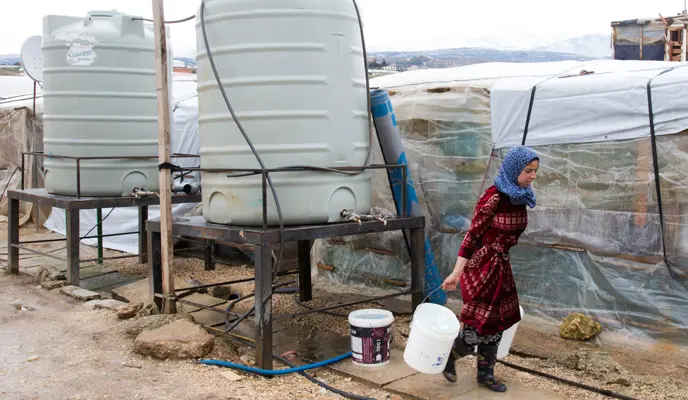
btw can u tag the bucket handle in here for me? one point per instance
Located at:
(430, 294)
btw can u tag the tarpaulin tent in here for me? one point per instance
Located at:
(595, 242)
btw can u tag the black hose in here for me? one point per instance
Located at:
(604, 392)
(235, 323)
(177, 21)
(322, 384)
(250, 144)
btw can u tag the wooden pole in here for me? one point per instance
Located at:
(161, 71)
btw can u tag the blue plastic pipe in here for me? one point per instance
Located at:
(393, 153)
(270, 372)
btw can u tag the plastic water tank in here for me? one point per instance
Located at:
(99, 101)
(294, 73)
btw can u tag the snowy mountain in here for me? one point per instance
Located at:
(596, 46)
(9, 59)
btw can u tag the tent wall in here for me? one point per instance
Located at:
(18, 134)
(593, 243)
(640, 41)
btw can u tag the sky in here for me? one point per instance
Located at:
(388, 24)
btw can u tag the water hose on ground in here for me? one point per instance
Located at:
(251, 343)
(270, 372)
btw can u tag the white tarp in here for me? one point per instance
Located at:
(610, 104)
(184, 139)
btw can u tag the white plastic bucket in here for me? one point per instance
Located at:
(371, 337)
(507, 339)
(433, 330)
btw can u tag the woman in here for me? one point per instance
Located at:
(487, 284)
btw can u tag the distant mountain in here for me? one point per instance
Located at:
(187, 60)
(469, 55)
(596, 46)
(9, 59)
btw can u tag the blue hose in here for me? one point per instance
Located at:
(269, 372)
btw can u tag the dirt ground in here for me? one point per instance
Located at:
(64, 351)
(661, 373)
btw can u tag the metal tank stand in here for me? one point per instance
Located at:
(263, 239)
(72, 205)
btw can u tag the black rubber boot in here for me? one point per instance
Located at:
(459, 350)
(487, 358)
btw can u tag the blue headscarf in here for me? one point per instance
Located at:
(507, 180)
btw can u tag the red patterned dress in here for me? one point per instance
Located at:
(487, 283)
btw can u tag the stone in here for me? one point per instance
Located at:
(248, 359)
(147, 310)
(129, 310)
(223, 292)
(177, 340)
(51, 285)
(79, 293)
(42, 275)
(598, 364)
(132, 328)
(21, 306)
(579, 327)
(619, 380)
(105, 304)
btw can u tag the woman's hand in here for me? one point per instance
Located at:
(453, 279)
(451, 282)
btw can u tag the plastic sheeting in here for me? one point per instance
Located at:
(594, 242)
(19, 133)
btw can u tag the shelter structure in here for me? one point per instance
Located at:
(658, 39)
(612, 188)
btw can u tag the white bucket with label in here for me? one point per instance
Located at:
(371, 337)
(433, 330)
(507, 339)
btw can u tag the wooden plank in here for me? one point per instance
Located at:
(161, 73)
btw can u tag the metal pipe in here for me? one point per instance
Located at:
(353, 303)
(188, 188)
(99, 224)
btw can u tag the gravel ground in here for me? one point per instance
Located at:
(638, 386)
(61, 350)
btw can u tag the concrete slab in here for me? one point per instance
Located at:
(99, 282)
(107, 304)
(397, 369)
(199, 298)
(92, 270)
(435, 387)
(79, 293)
(50, 285)
(208, 317)
(139, 290)
(514, 392)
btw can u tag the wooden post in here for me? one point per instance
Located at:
(161, 72)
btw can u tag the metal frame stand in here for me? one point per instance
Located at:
(263, 239)
(72, 206)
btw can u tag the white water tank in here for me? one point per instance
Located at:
(294, 73)
(99, 99)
